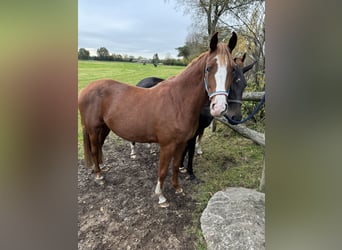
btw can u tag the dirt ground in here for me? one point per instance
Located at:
(124, 213)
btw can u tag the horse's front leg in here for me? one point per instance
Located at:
(166, 154)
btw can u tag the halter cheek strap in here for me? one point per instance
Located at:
(210, 95)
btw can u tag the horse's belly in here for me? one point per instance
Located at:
(135, 137)
(133, 130)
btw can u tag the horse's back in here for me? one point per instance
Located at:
(120, 107)
(95, 99)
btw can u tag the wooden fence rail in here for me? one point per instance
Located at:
(252, 96)
(255, 136)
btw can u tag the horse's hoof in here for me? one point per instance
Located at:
(179, 190)
(182, 170)
(100, 181)
(105, 169)
(199, 152)
(133, 156)
(190, 177)
(164, 204)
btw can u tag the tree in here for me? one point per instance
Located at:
(184, 52)
(212, 10)
(246, 17)
(155, 60)
(83, 54)
(102, 54)
(251, 25)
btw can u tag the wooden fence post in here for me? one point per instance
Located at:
(262, 180)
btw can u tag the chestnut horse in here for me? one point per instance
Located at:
(237, 87)
(166, 114)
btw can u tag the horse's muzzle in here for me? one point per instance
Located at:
(218, 110)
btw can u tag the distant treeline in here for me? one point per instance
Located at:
(104, 55)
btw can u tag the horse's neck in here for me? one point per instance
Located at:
(191, 84)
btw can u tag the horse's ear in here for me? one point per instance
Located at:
(245, 69)
(244, 57)
(232, 42)
(214, 41)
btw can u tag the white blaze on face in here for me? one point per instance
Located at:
(219, 102)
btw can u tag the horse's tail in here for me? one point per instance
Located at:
(87, 149)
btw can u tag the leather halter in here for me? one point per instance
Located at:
(221, 92)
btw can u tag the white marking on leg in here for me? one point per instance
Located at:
(133, 153)
(179, 190)
(199, 148)
(162, 199)
(152, 151)
(158, 189)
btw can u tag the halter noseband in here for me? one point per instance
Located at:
(220, 92)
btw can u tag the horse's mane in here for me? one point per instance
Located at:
(198, 58)
(171, 78)
(222, 47)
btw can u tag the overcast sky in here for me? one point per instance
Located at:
(132, 27)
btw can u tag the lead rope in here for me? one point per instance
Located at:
(257, 108)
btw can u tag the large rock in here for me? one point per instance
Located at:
(235, 219)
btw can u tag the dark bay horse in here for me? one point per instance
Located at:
(237, 87)
(166, 113)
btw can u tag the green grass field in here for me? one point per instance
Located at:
(229, 160)
(126, 72)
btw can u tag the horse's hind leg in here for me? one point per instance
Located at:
(103, 134)
(198, 144)
(176, 163)
(182, 169)
(191, 150)
(97, 138)
(133, 153)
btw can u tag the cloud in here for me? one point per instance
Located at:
(132, 27)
